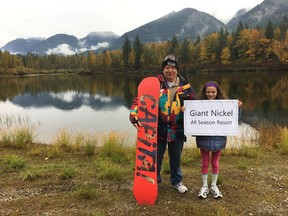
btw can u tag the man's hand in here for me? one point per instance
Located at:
(137, 125)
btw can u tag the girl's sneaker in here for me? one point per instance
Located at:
(204, 191)
(215, 191)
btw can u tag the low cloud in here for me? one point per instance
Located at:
(61, 49)
(65, 49)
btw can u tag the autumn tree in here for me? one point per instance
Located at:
(226, 56)
(91, 60)
(249, 44)
(280, 48)
(108, 59)
(203, 55)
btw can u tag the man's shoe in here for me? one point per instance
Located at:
(180, 188)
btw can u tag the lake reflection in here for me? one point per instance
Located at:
(101, 104)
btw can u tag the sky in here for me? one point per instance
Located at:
(45, 18)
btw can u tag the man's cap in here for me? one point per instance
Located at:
(171, 61)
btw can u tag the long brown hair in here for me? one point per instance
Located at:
(202, 92)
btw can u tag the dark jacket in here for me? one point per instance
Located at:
(211, 143)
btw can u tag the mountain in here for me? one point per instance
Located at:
(62, 44)
(273, 10)
(187, 23)
(21, 45)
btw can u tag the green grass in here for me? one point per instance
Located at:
(13, 162)
(29, 175)
(68, 173)
(101, 184)
(86, 191)
(82, 174)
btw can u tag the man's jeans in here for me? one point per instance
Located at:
(174, 150)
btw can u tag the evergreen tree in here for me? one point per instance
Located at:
(173, 46)
(234, 49)
(184, 51)
(269, 33)
(138, 51)
(222, 40)
(283, 27)
(198, 39)
(126, 50)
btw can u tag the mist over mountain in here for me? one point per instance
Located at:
(273, 10)
(62, 44)
(188, 23)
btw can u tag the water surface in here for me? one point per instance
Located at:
(100, 104)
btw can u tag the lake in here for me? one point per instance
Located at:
(100, 103)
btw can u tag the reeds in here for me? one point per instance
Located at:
(16, 131)
(272, 136)
(112, 157)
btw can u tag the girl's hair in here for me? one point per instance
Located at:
(220, 93)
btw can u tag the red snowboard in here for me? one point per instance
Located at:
(145, 176)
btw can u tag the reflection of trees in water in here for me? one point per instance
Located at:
(94, 85)
(47, 100)
(37, 91)
(253, 89)
(264, 94)
(279, 91)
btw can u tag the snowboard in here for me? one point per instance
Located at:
(145, 187)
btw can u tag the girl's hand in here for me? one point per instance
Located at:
(183, 108)
(239, 103)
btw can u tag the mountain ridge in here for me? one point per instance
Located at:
(187, 23)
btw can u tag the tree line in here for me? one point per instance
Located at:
(243, 47)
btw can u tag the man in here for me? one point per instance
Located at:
(174, 88)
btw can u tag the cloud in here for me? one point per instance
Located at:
(65, 49)
(61, 49)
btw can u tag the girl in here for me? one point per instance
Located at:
(214, 144)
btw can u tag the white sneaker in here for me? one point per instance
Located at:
(180, 187)
(204, 191)
(215, 191)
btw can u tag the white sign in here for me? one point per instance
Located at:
(211, 117)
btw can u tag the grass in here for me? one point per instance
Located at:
(283, 144)
(12, 163)
(77, 176)
(29, 175)
(86, 191)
